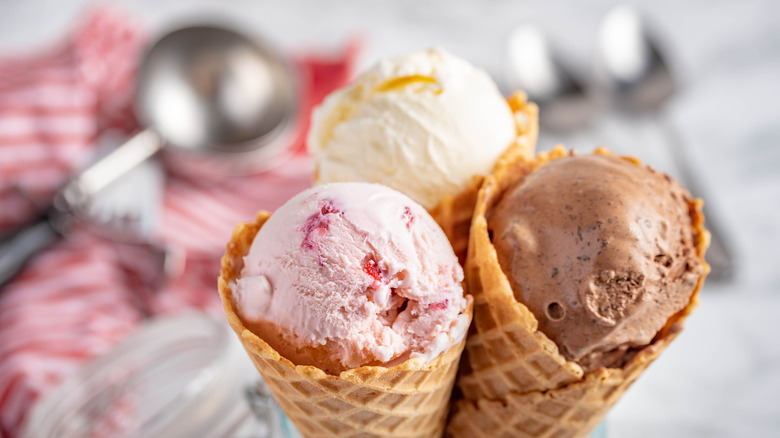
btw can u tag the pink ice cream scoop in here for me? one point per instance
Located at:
(351, 274)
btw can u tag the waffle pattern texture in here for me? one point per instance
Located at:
(513, 381)
(411, 399)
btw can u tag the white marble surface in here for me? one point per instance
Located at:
(721, 377)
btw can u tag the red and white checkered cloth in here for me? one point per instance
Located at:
(85, 294)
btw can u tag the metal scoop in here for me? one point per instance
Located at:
(215, 100)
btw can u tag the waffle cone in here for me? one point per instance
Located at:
(453, 213)
(407, 400)
(513, 380)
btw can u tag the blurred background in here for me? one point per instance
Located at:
(719, 128)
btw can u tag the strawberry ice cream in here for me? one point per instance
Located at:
(351, 274)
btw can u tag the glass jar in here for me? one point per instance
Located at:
(175, 377)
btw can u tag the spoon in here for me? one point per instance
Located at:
(215, 100)
(532, 66)
(631, 68)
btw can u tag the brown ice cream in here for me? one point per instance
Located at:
(601, 250)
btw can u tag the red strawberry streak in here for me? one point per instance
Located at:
(317, 225)
(372, 269)
(409, 217)
(441, 305)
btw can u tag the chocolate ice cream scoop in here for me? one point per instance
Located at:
(601, 250)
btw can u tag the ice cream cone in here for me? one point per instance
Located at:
(454, 213)
(407, 400)
(513, 379)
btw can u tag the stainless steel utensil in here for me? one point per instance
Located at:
(632, 70)
(215, 100)
(532, 66)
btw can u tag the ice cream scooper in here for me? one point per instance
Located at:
(215, 100)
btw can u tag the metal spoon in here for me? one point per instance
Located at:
(532, 66)
(214, 99)
(631, 68)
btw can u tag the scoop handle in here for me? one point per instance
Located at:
(21, 244)
(118, 162)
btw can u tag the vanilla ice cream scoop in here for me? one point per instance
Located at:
(351, 274)
(424, 124)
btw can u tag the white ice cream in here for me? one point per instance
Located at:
(423, 123)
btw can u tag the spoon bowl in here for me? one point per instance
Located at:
(532, 66)
(629, 64)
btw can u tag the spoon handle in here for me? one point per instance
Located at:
(719, 254)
